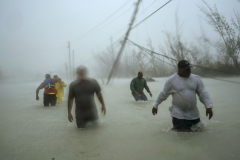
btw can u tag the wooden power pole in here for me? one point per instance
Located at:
(70, 72)
(124, 41)
(73, 66)
(66, 70)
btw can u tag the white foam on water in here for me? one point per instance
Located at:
(199, 127)
(139, 101)
(93, 124)
(167, 129)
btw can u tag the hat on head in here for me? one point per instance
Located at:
(183, 64)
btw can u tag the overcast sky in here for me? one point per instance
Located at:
(35, 34)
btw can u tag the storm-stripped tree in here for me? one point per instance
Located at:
(229, 44)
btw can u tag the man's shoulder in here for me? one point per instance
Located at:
(134, 78)
(73, 83)
(92, 80)
(42, 84)
(174, 76)
(144, 80)
(194, 76)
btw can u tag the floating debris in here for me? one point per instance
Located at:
(148, 79)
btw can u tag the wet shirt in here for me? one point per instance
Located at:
(84, 98)
(138, 85)
(51, 90)
(183, 91)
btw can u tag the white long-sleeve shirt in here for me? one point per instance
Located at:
(183, 91)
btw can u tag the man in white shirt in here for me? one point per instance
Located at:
(183, 86)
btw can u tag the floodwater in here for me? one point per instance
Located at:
(28, 130)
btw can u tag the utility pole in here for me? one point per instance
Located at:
(73, 66)
(124, 41)
(69, 61)
(66, 70)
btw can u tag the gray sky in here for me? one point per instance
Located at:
(34, 34)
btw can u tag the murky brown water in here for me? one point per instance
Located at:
(128, 131)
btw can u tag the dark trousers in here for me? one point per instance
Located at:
(49, 98)
(183, 125)
(81, 122)
(143, 98)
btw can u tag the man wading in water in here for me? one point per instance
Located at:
(83, 90)
(183, 86)
(49, 95)
(137, 85)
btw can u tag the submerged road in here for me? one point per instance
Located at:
(28, 130)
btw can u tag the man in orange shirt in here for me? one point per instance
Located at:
(49, 95)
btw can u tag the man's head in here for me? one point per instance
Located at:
(55, 76)
(140, 75)
(82, 72)
(47, 76)
(184, 68)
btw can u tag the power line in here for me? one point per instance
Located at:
(104, 20)
(139, 14)
(147, 50)
(202, 74)
(148, 7)
(151, 14)
(52, 47)
(124, 41)
(56, 47)
(99, 53)
(122, 15)
(152, 55)
(111, 21)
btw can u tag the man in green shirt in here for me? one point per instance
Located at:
(137, 85)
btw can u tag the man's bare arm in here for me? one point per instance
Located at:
(100, 98)
(70, 103)
(204, 98)
(147, 88)
(37, 91)
(149, 92)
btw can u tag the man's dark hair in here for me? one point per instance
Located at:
(139, 72)
(47, 76)
(55, 76)
(81, 67)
